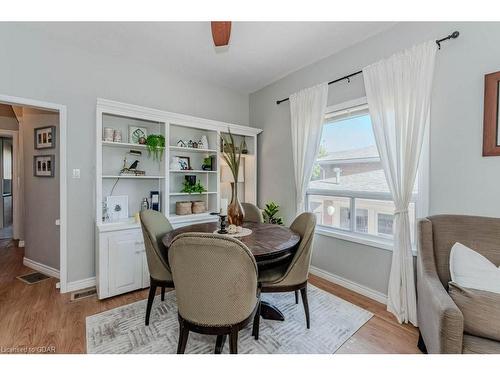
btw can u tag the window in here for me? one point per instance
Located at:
(348, 180)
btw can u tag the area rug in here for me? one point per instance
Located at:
(333, 321)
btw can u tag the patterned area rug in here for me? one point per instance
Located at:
(333, 321)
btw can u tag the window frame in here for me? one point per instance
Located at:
(421, 198)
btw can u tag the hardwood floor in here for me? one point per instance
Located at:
(38, 316)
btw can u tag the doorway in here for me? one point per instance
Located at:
(39, 193)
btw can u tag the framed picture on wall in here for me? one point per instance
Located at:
(43, 165)
(45, 137)
(491, 130)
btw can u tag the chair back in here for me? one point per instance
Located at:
(482, 234)
(253, 214)
(154, 226)
(215, 279)
(298, 270)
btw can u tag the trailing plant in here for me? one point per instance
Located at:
(155, 144)
(196, 188)
(270, 213)
(231, 154)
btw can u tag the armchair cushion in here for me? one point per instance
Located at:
(479, 345)
(470, 269)
(480, 309)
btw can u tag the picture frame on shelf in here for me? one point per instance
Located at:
(137, 134)
(117, 207)
(45, 137)
(44, 165)
(184, 162)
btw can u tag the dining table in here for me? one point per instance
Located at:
(272, 245)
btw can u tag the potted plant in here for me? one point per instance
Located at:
(270, 213)
(190, 188)
(155, 144)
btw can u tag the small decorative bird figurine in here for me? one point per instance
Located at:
(133, 166)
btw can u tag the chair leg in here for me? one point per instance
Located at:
(151, 297)
(219, 344)
(163, 293)
(233, 342)
(303, 292)
(256, 323)
(183, 338)
(296, 297)
(421, 344)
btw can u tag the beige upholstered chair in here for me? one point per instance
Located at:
(293, 277)
(253, 214)
(154, 226)
(440, 321)
(216, 286)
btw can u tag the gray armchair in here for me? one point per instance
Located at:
(440, 321)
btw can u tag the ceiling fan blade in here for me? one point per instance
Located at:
(221, 32)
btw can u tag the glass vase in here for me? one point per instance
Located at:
(235, 211)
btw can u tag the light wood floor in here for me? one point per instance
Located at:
(33, 316)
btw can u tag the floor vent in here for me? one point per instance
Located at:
(33, 278)
(84, 293)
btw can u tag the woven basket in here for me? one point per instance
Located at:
(198, 207)
(183, 208)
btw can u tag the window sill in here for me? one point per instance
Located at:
(363, 240)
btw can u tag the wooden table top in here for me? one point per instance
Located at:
(267, 241)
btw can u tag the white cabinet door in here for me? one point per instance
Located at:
(125, 263)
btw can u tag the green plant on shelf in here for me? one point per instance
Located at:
(196, 188)
(155, 144)
(270, 213)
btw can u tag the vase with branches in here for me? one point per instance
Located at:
(232, 156)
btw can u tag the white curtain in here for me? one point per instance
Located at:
(398, 90)
(307, 109)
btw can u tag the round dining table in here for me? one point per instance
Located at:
(271, 245)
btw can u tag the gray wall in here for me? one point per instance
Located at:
(461, 180)
(43, 69)
(41, 194)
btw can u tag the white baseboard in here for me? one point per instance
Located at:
(351, 285)
(80, 284)
(46, 270)
(20, 243)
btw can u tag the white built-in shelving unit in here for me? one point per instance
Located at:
(120, 259)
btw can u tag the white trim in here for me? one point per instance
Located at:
(80, 284)
(132, 110)
(61, 109)
(347, 105)
(41, 267)
(351, 237)
(351, 285)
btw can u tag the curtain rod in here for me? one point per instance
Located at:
(453, 35)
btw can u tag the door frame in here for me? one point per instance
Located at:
(63, 214)
(16, 164)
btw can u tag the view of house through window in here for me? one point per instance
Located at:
(348, 190)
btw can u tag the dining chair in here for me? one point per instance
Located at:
(253, 214)
(154, 226)
(215, 280)
(292, 277)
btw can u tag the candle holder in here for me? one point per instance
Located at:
(222, 229)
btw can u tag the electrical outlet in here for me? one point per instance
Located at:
(76, 173)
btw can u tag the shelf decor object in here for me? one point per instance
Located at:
(232, 156)
(155, 144)
(183, 208)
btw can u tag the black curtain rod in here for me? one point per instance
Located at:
(453, 35)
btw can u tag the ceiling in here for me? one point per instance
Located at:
(259, 53)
